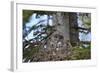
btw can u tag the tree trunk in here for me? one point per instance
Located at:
(58, 39)
(74, 34)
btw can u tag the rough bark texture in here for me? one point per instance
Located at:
(60, 37)
(74, 34)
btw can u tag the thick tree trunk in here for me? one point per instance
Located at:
(60, 37)
(74, 33)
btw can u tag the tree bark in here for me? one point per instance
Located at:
(61, 35)
(74, 34)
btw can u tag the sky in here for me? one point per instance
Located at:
(83, 37)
